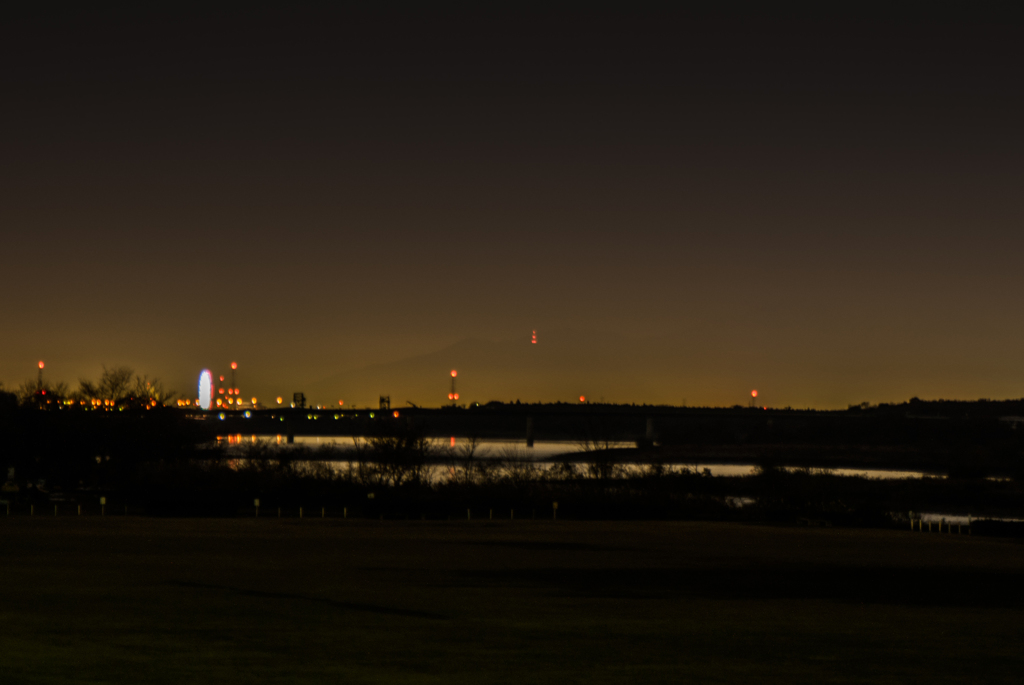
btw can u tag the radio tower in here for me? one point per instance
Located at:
(233, 388)
(453, 396)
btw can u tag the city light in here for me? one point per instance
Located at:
(341, 402)
(279, 400)
(582, 398)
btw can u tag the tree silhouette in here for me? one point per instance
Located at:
(122, 386)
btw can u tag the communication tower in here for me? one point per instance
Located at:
(453, 396)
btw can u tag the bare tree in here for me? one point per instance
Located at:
(31, 392)
(121, 385)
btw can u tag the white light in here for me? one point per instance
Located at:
(205, 389)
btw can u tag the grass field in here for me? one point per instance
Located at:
(133, 600)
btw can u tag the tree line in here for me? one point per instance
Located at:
(119, 386)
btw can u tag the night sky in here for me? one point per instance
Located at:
(826, 207)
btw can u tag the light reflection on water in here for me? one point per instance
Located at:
(550, 449)
(484, 448)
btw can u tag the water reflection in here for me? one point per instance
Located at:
(547, 454)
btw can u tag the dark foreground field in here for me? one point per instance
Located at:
(250, 601)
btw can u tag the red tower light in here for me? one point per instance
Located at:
(41, 365)
(753, 393)
(454, 373)
(234, 365)
(582, 398)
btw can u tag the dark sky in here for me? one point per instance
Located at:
(824, 206)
